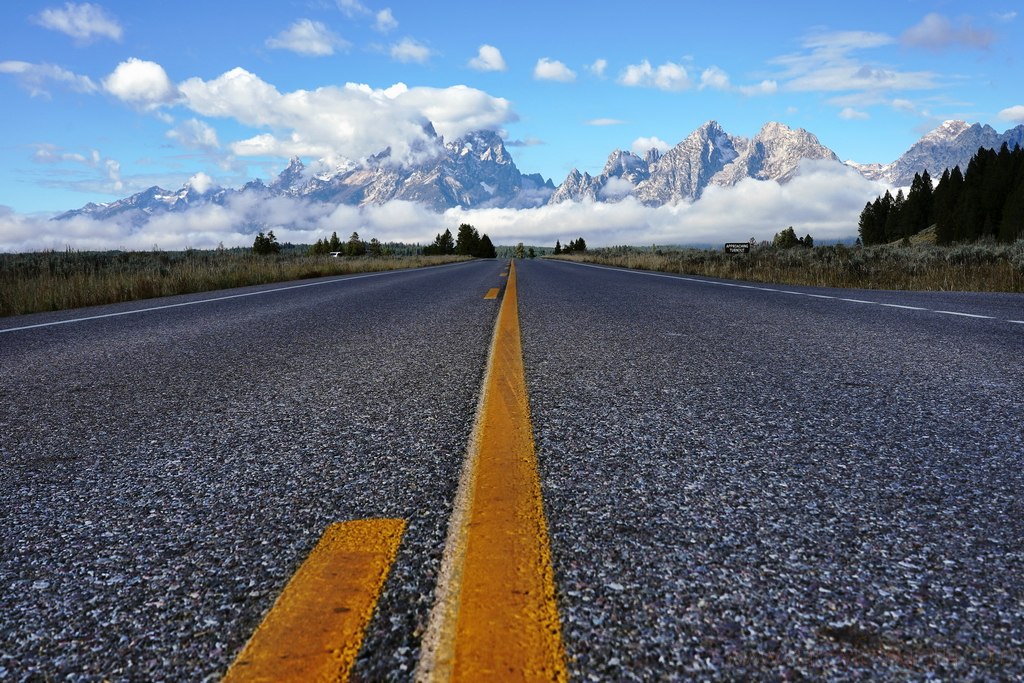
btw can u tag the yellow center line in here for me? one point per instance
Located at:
(495, 617)
(492, 293)
(315, 628)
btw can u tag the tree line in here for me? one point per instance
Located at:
(355, 246)
(574, 246)
(468, 243)
(985, 201)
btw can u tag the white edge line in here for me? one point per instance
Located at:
(908, 308)
(344, 278)
(783, 291)
(967, 315)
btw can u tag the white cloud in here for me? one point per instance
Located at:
(668, 76)
(714, 77)
(936, 32)
(34, 77)
(385, 21)
(605, 122)
(201, 182)
(598, 67)
(83, 22)
(307, 37)
(195, 134)
(553, 70)
(408, 50)
(851, 114)
(141, 83)
(824, 199)
(105, 176)
(617, 188)
(1014, 114)
(643, 145)
(353, 8)
(829, 65)
(350, 122)
(488, 58)
(765, 87)
(904, 106)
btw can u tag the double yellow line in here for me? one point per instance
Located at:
(495, 616)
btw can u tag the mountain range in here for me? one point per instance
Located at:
(477, 171)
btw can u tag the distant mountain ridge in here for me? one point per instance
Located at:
(477, 171)
(951, 144)
(708, 156)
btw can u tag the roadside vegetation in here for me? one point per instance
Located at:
(984, 266)
(53, 280)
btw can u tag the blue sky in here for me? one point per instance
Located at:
(107, 98)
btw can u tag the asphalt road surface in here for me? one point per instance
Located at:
(741, 481)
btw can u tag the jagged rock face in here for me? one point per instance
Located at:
(622, 173)
(775, 154)
(137, 208)
(477, 171)
(474, 171)
(682, 173)
(576, 187)
(951, 144)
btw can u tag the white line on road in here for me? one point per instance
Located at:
(224, 298)
(783, 291)
(966, 315)
(907, 308)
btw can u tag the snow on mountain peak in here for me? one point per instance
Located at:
(947, 130)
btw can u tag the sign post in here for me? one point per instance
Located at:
(737, 247)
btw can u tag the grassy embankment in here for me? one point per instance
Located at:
(51, 281)
(979, 267)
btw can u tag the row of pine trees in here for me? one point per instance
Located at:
(469, 243)
(986, 201)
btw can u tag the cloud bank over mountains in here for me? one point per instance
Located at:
(823, 199)
(710, 188)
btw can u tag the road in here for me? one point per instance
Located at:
(739, 481)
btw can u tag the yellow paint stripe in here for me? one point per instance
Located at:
(315, 629)
(496, 617)
(492, 293)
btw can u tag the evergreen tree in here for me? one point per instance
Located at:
(916, 214)
(355, 246)
(520, 250)
(468, 241)
(266, 244)
(947, 197)
(786, 239)
(335, 243)
(486, 248)
(1011, 225)
(892, 217)
(558, 247)
(442, 244)
(375, 250)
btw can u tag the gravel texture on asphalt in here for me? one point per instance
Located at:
(163, 474)
(755, 485)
